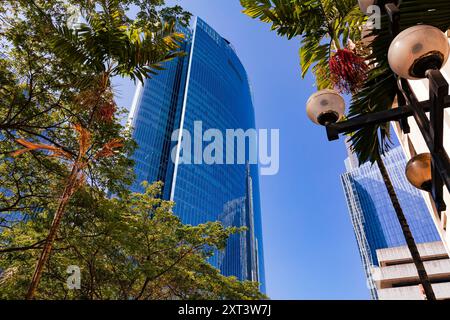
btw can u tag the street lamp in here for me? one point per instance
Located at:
(418, 171)
(416, 53)
(418, 49)
(325, 107)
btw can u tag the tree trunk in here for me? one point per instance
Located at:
(63, 201)
(406, 232)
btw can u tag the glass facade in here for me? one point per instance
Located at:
(210, 85)
(374, 220)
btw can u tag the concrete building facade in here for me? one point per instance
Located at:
(396, 278)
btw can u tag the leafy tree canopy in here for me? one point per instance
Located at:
(127, 248)
(63, 149)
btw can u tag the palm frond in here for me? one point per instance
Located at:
(108, 42)
(321, 24)
(289, 18)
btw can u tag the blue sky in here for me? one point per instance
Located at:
(310, 248)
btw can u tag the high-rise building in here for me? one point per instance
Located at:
(373, 217)
(208, 85)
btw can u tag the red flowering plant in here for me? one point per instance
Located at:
(348, 69)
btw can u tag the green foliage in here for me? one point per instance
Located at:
(322, 25)
(132, 247)
(53, 76)
(109, 42)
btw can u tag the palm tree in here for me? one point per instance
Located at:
(324, 26)
(411, 243)
(107, 44)
(321, 24)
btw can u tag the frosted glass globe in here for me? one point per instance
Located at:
(418, 49)
(325, 107)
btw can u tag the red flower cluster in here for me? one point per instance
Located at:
(348, 71)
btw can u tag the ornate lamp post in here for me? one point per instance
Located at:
(416, 53)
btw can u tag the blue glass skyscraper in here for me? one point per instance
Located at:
(373, 217)
(209, 84)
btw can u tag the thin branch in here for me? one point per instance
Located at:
(35, 246)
